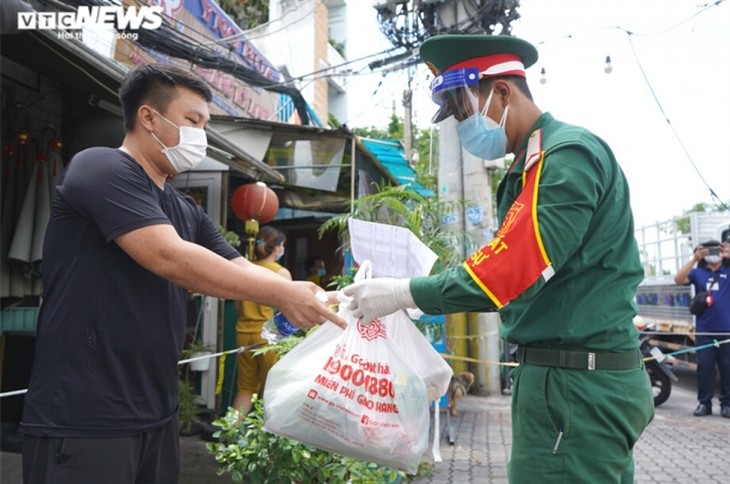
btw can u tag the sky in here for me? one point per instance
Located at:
(682, 48)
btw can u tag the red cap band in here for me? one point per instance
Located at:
(494, 65)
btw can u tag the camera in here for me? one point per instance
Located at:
(713, 250)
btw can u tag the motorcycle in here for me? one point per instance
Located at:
(656, 364)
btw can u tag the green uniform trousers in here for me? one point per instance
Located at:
(575, 426)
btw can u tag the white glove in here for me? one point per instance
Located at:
(374, 298)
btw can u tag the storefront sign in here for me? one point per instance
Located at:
(203, 21)
(220, 25)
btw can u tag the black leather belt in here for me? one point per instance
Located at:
(580, 360)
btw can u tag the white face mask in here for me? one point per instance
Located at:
(190, 151)
(280, 255)
(713, 259)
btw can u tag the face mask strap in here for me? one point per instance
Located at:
(504, 116)
(154, 135)
(158, 140)
(485, 109)
(160, 115)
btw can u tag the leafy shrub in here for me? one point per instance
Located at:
(248, 452)
(187, 410)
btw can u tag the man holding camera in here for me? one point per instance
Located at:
(712, 260)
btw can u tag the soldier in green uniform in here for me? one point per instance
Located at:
(562, 269)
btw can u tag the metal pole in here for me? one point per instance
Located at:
(407, 122)
(353, 173)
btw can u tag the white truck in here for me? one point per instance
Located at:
(664, 248)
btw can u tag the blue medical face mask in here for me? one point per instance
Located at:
(482, 136)
(321, 272)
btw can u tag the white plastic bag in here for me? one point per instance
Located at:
(425, 360)
(414, 346)
(289, 378)
(354, 394)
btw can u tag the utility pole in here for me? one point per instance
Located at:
(407, 122)
(462, 177)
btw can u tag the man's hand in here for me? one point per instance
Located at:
(699, 253)
(304, 308)
(374, 298)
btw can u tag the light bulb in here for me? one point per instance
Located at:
(608, 69)
(543, 79)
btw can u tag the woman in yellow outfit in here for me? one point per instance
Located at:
(252, 370)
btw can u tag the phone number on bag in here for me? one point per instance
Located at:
(374, 385)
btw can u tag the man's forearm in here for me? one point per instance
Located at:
(160, 250)
(682, 276)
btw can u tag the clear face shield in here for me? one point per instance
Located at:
(457, 94)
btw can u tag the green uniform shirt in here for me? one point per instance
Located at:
(584, 217)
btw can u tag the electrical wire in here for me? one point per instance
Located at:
(682, 22)
(247, 33)
(671, 126)
(70, 62)
(591, 30)
(326, 69)
(288, 82)
(168, 40)
(372, 106)
(630, 34)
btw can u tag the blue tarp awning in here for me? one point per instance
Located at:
(391, 155)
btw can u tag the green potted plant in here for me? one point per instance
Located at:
(196, 351)
(187, 412)
(421, 215)
(188, 408)
(230, 236)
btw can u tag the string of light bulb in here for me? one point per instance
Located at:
(608, 68)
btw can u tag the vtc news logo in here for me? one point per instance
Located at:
(117, 17)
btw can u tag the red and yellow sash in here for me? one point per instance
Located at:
(516, 257)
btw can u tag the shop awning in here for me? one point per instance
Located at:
(314, 162)
(391, 155)
(73, 64)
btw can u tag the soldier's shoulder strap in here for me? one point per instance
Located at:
(534, 149)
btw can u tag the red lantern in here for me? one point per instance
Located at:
(255, 201)
(22, 137)
(55, 144)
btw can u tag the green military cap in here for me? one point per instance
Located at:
(492, 55)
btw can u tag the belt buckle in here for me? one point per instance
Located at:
(591, 361)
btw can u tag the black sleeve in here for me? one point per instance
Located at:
(112, 191)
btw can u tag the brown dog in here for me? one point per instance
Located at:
(458, 387)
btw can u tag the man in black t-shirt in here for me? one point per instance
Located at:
(121, 249)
